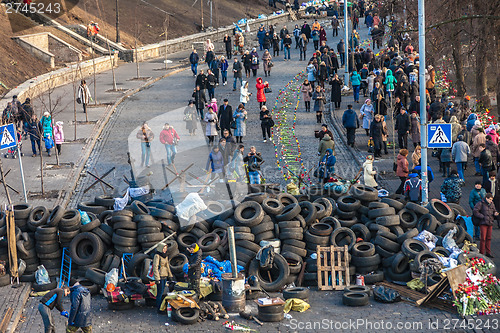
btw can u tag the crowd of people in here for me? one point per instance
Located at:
(44, 130)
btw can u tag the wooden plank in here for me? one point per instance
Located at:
(456, 276)
(5, 320)
(333, 268)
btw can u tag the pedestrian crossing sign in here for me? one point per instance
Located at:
(439, 136)
(8, 136)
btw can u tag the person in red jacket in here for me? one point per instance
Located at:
(169, 138)
(261, 96)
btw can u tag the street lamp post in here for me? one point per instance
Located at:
(346, 44)
(423, 101)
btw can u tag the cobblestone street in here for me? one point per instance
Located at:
(164, 101)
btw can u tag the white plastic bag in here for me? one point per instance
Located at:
(111, 277)
(450, 245)
(191, 205)
(41, 275)
(428, 238)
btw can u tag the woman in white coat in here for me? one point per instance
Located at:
(369, 173)
(366, 113)
(244, 94)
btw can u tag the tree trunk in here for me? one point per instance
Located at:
(481, 72)
(497, 66)
(458, 61)
(481, 58)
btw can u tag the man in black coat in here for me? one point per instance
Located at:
(200, 100)
(306, 30)
(225, 116)
(403, 124)
(237, 68)
(283, 33)
(229, 46)
(201, 80)
(194, 268)
(436, 110)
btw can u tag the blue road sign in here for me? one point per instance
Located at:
(439, 136)
(7, 136)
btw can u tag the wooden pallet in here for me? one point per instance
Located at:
(333, 267)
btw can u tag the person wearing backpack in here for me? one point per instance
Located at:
(413, 187)
(253, 160)
(483, 215)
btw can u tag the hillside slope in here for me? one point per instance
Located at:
(137, 19)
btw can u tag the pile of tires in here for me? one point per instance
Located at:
(378, 233)
(356, 296)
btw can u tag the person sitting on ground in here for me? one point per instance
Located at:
(452, 187)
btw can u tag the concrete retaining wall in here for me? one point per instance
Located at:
(49, 48)
(37, 50)
(42, 83)
(185, 43)
(36, 86)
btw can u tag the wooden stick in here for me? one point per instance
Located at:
(160, 242)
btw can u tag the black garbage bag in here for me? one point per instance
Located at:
(266, 257)
(386, 295)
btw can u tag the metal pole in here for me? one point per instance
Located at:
(117, 23)
(22, 175)
(232, 252)
(211, 14)
(346, 44)
(423, 101)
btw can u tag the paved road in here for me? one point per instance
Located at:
(164, 101)
(327, 314)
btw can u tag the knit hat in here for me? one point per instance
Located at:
(160, 247)
(195, 247)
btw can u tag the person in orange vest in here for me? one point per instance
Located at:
(92, 30)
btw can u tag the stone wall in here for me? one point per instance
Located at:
(37, 86)
(185, 43)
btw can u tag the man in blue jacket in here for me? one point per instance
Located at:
(261, 34)
(194, 58)
(79, 315)
(350, 121)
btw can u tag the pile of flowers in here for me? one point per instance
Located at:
(481, 296)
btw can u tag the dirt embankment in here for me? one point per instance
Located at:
(141, 22)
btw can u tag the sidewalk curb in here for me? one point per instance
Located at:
(65, 194)
(20, 307)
